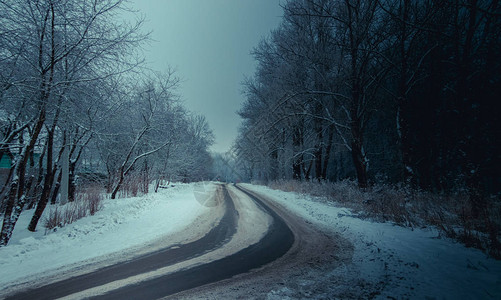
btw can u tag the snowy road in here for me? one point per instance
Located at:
(169, 245)
(249, 235)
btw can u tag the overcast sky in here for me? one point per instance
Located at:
(209, 43)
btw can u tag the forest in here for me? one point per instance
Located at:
(381, 91)
(390, 93)
(75, 93)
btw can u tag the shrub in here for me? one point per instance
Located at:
(405, 206)
(93, 197)
(54, 219)
(88, 201)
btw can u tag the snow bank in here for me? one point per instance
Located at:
(397, 262)
(120, 225)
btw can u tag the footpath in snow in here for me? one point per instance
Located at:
(121, 227)
(395, 262)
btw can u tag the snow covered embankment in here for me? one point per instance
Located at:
(392, 261)
(120, 228)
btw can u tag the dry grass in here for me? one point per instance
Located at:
(451, 214)
(93, 197)
(88, 201)
(134, 185)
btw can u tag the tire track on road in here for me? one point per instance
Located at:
(215, 238)
(276, 242)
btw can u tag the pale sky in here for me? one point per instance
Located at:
(209, 42)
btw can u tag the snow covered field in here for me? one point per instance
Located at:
(397, 262)
(121, 226)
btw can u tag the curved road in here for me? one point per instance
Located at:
(275, 243)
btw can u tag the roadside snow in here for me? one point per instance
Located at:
(393, 261)
(120, 225)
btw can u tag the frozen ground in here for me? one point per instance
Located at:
(121, 227)
(388, 261)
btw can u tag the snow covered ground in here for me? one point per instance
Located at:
(394, 262)
(388, 261)
(121, 227)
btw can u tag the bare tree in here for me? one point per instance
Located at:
(150, 128)
(325, 70)
(62, 44)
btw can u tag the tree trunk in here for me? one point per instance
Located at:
(403, 131)
(465, 99)
(296, 169)
(49, 180)
(318, 153)
(36, 190)
(359, 160)
(307, 170)
(72, 185)
(146, 180)
(16, 191)
(157, 184)
(7, 226)
(318, 164)
(44, 199)
(357, 151)
(296, 161)
(119, 184)
(274, 170)
(57, 185)
(327, 155)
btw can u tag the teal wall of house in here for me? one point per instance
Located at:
(5, 162)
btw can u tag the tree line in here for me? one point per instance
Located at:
(382, 91)
(73, 84)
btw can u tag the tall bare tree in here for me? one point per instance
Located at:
(61, 43)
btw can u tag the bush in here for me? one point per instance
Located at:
(88, 201)
(54, 219)
(93, 197)
(405, 206)
(134, 185)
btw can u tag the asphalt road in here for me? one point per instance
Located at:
(275, 243)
